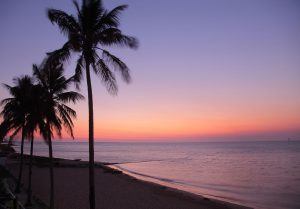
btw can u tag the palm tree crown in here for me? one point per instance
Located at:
(53, 87)
(93, 28)
(17, 107)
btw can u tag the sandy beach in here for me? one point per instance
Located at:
(114, 190)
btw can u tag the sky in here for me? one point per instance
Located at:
(205, 69)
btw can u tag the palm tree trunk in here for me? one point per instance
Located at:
(91, 138)
(29, 191)
(21, 163)
(51, 169)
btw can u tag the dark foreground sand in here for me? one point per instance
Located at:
(113, 190)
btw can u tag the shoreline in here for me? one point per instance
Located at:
(107, 173)
(172, 186)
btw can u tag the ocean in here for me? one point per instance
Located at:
(264, 175)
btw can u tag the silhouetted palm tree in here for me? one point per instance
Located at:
(15, 111)
(56, 113)
(24, 110)
(92, 29)
(34, 121)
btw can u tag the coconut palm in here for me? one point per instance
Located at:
(27, 110)
(34, 121)
(55, 111)
(89, 32)
(15, 111)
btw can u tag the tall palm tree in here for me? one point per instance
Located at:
(15, 111)
(34, 121)
(55, 111)
(93, 29)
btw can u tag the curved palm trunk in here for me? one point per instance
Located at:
(51, 169)
(21, 163)
(91, 139)
(29, 191)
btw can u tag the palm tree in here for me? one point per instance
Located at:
(34, 121)
(26, 110)
(15, 111)
(93, 29)
(56, 114)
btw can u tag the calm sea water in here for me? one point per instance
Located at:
(262, 175)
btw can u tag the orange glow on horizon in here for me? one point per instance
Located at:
(176, 127)
(186, 119)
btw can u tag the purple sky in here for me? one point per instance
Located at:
(234, 64)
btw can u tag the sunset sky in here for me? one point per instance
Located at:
(205, 69)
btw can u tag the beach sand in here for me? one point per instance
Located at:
(114, 190)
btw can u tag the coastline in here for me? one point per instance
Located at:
(116, 187)
(171, 186)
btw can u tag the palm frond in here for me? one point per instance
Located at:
(66, 118)
(60, 55)
(114, 36)
(77, 7)
(69, 110)
(78, 76)
(107, 77)
(6, 101)
(55, 122)
(70, 96)
(118, 65)
(37, 73)
(6, 86)
(111, 19)
(16, 131)
(67, 23)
